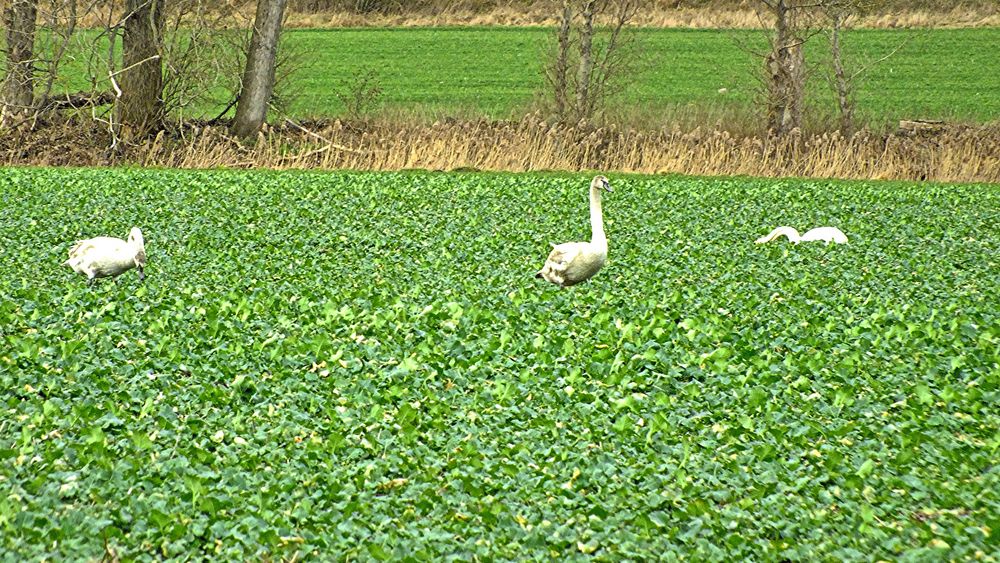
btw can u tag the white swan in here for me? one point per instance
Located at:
(573, 262)
(101, 257)
(826, 234)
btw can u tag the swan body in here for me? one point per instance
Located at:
(825, 234)
(102, 257)
(573, 262)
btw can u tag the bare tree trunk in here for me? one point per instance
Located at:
(841, 83)
(786, 73)
(258, 80)
(562, 59)
(586, 59)
(795, 108)
(140, 107)
(19, 84)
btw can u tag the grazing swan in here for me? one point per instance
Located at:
(101, 257)
(573, 262)
(826, 234)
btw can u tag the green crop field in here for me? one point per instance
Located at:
(496, 72)
(936, 73)
(362, 366)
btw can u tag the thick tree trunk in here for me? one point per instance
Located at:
(19, 84)
(562, 59)
(140, 108)
(258, 80)
(786, 74)
(583, 102)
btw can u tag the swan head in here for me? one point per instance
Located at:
(601, 183)
(135, 239)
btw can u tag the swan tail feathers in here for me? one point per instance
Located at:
(80, 247)
(76, 247)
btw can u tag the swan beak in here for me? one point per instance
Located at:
(538, 274)
(607, 187)
(142, 273)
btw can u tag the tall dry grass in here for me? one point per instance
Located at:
(961, 154)
(697, 14)
(656, 13)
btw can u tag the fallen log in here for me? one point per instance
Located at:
(77, 100)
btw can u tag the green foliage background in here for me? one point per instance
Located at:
(363, 365)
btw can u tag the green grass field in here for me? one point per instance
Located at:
(495, 72)
(363, 365)
(936, 74)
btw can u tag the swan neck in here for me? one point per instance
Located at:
(596, 218)
(788, 232)
(136, 241)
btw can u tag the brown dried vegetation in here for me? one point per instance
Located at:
(700, 14)
(951, 154)
(705, 14)
(679, 18)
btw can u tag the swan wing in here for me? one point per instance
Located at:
(559, 262)
(99, 246)
(562, 255)
(80, 248)
(79, 253)
(826, 234)
(103, 255)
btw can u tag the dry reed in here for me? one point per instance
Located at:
(658, 13)
(700, 18)
(957, 154)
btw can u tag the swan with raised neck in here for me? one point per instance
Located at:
(573, 262)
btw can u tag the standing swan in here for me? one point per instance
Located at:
(573, 262)
(827, 234)
(101, 257)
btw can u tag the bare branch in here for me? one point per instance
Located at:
(329, 144)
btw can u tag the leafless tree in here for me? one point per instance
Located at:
(140, 102)
(258, 80)
(597, 28)
(561, 65)
(586, 57)
(843, 82)
(784, 63)
(196, 34)
(19, 84)
(61, 19)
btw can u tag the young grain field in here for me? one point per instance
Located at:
(432, 73)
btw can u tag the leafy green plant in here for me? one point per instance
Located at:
(363, 364)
